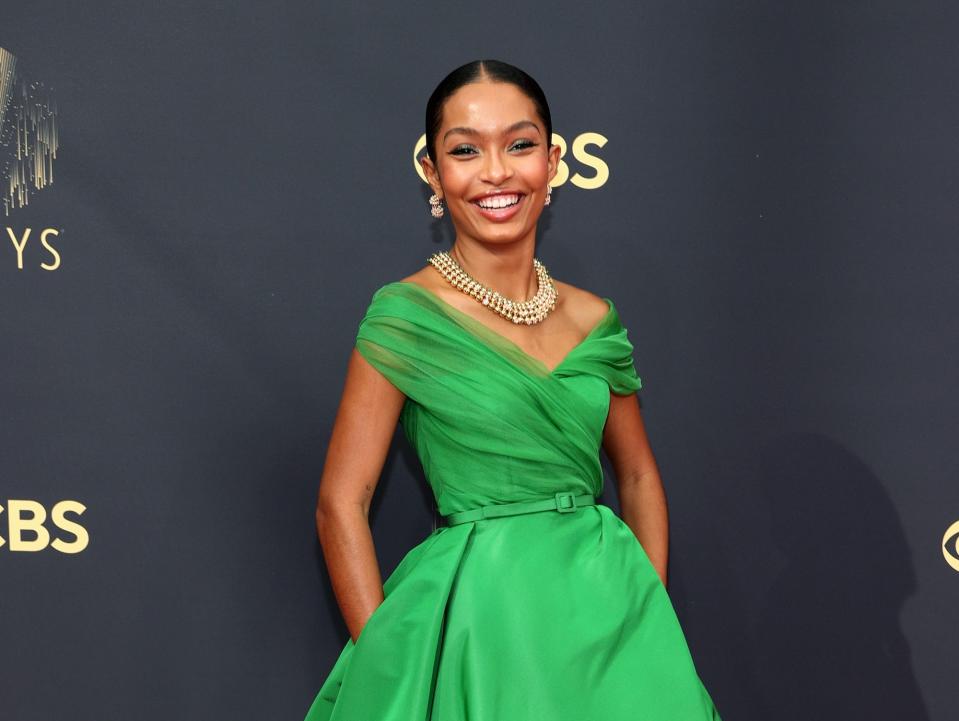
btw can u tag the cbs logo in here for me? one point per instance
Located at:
(20, 240)
(27, 532)
(580, 151)
(950, 546)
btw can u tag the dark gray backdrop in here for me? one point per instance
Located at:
(778, 231)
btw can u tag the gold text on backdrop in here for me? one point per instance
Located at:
(20, 238)
(950, 546)
(27, 531)
(580, 153)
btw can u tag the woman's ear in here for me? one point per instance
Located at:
(552, 160)
(432, 175)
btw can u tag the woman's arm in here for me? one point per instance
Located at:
(362, 432)
(641, 493)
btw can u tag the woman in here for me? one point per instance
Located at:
(531, 602)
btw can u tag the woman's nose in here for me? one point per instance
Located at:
(496, 169)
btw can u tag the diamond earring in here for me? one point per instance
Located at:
(549, 193)
(436, 206)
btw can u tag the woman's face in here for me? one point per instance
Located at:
(493, 163)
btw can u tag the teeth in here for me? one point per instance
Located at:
(498, 201)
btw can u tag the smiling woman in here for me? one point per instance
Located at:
(532, 602)
(491, 162)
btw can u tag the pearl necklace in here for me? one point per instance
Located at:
(529, 311)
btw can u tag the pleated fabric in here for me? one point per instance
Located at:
(537, 617)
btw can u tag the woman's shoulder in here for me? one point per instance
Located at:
(584, 308)
(423, 276)
(400, 285)
(400, 297)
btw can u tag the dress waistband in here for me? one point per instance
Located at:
(562, 502)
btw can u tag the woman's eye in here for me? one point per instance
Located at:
(463, 150)
(522, 145)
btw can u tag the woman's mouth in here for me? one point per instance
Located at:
(499, 207)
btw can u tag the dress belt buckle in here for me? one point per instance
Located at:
(565, 502)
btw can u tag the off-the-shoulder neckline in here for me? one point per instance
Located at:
(493, 338)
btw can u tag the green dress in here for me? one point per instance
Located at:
(537, 617)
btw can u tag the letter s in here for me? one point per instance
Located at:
(63, 523)
(591, 161)
(53, 251)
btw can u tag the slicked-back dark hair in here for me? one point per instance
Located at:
(494, 70)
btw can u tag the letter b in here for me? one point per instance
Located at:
(19, 523)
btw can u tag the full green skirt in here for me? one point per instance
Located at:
(538, 617)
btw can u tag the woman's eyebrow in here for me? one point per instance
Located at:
(519, 125)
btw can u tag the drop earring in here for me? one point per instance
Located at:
(549, 193)
(436, 206)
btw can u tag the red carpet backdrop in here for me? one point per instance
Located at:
(199, 199)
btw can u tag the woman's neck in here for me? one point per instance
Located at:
(507, 269)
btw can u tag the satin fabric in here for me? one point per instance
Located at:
(537, 617)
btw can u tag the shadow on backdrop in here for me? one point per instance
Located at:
(832, 646)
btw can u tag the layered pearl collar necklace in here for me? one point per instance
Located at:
(529, 311)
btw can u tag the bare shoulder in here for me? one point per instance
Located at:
(427, 277)
(583, 308)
